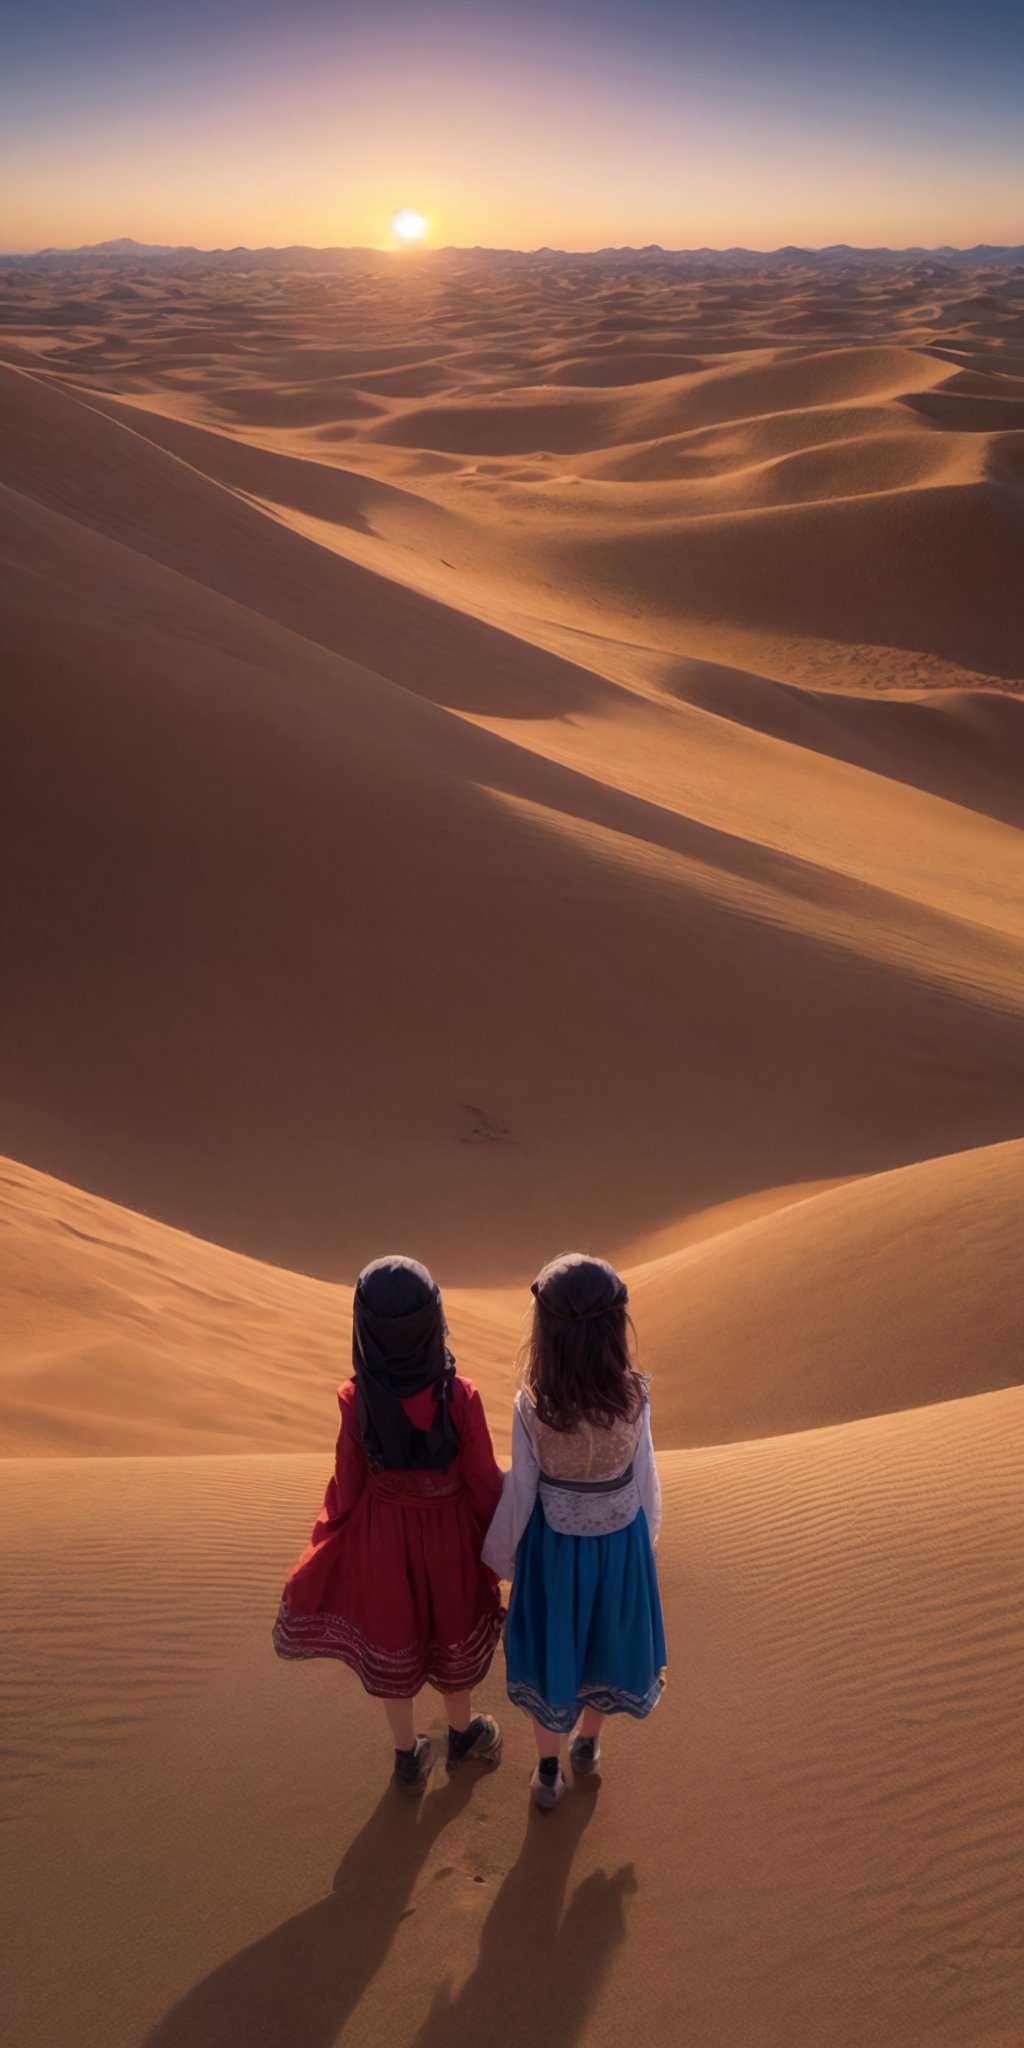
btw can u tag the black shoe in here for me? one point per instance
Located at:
(480, 1743)
(413, 1766)
(584, 1754)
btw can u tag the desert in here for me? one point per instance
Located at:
(505, 752)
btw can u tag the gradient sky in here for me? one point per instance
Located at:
(217, 122)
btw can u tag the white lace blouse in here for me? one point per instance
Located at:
(588, 1452)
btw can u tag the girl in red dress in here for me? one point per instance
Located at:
(392, 1581)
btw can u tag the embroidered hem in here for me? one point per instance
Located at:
(605, 1699)
(390, 1674)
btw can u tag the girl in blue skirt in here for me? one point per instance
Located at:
(578, 1516)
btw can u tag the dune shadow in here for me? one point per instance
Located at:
(297, 1986)
(963, 747)
(541, 1969)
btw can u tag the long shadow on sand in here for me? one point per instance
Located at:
(538, 1972)
(297, 1987)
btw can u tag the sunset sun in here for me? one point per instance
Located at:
(407, 225)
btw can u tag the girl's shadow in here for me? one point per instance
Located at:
(539, 1970)
(297, 1987)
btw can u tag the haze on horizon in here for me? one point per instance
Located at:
(514, 126)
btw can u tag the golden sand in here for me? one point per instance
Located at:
(503, 760)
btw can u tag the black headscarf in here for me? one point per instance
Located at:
(398, 1349)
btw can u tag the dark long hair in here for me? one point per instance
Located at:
(577, 1365)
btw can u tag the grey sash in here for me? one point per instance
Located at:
(590, 1507)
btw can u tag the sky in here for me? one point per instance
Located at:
(574, 124)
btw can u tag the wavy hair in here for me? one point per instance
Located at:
(577, 1364)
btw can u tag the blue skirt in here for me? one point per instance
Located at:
(584, 1624)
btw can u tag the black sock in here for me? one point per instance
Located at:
(406, 1752)
(549, 1765)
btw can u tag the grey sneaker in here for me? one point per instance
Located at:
(480, 1743)
(584, 1754)
(413, 1766)
(548, 1783)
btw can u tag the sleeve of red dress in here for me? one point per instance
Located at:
(348, 1478)
(479, 1465)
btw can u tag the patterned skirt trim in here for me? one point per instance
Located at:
(605, 1699)
(390, 1674)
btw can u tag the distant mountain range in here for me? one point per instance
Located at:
(125, 253)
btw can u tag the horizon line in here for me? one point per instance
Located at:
(127, 245)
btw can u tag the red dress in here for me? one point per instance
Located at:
(392, 1581)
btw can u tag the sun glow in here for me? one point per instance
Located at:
(407, 225)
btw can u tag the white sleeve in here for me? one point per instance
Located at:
(518, 1495)
(646, 1472)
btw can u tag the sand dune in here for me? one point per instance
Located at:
(124, 1336)
(233, 1091)
(814, 1840)
(504, 753)
(188, 1040)
(882, 571)
(853, 1302)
